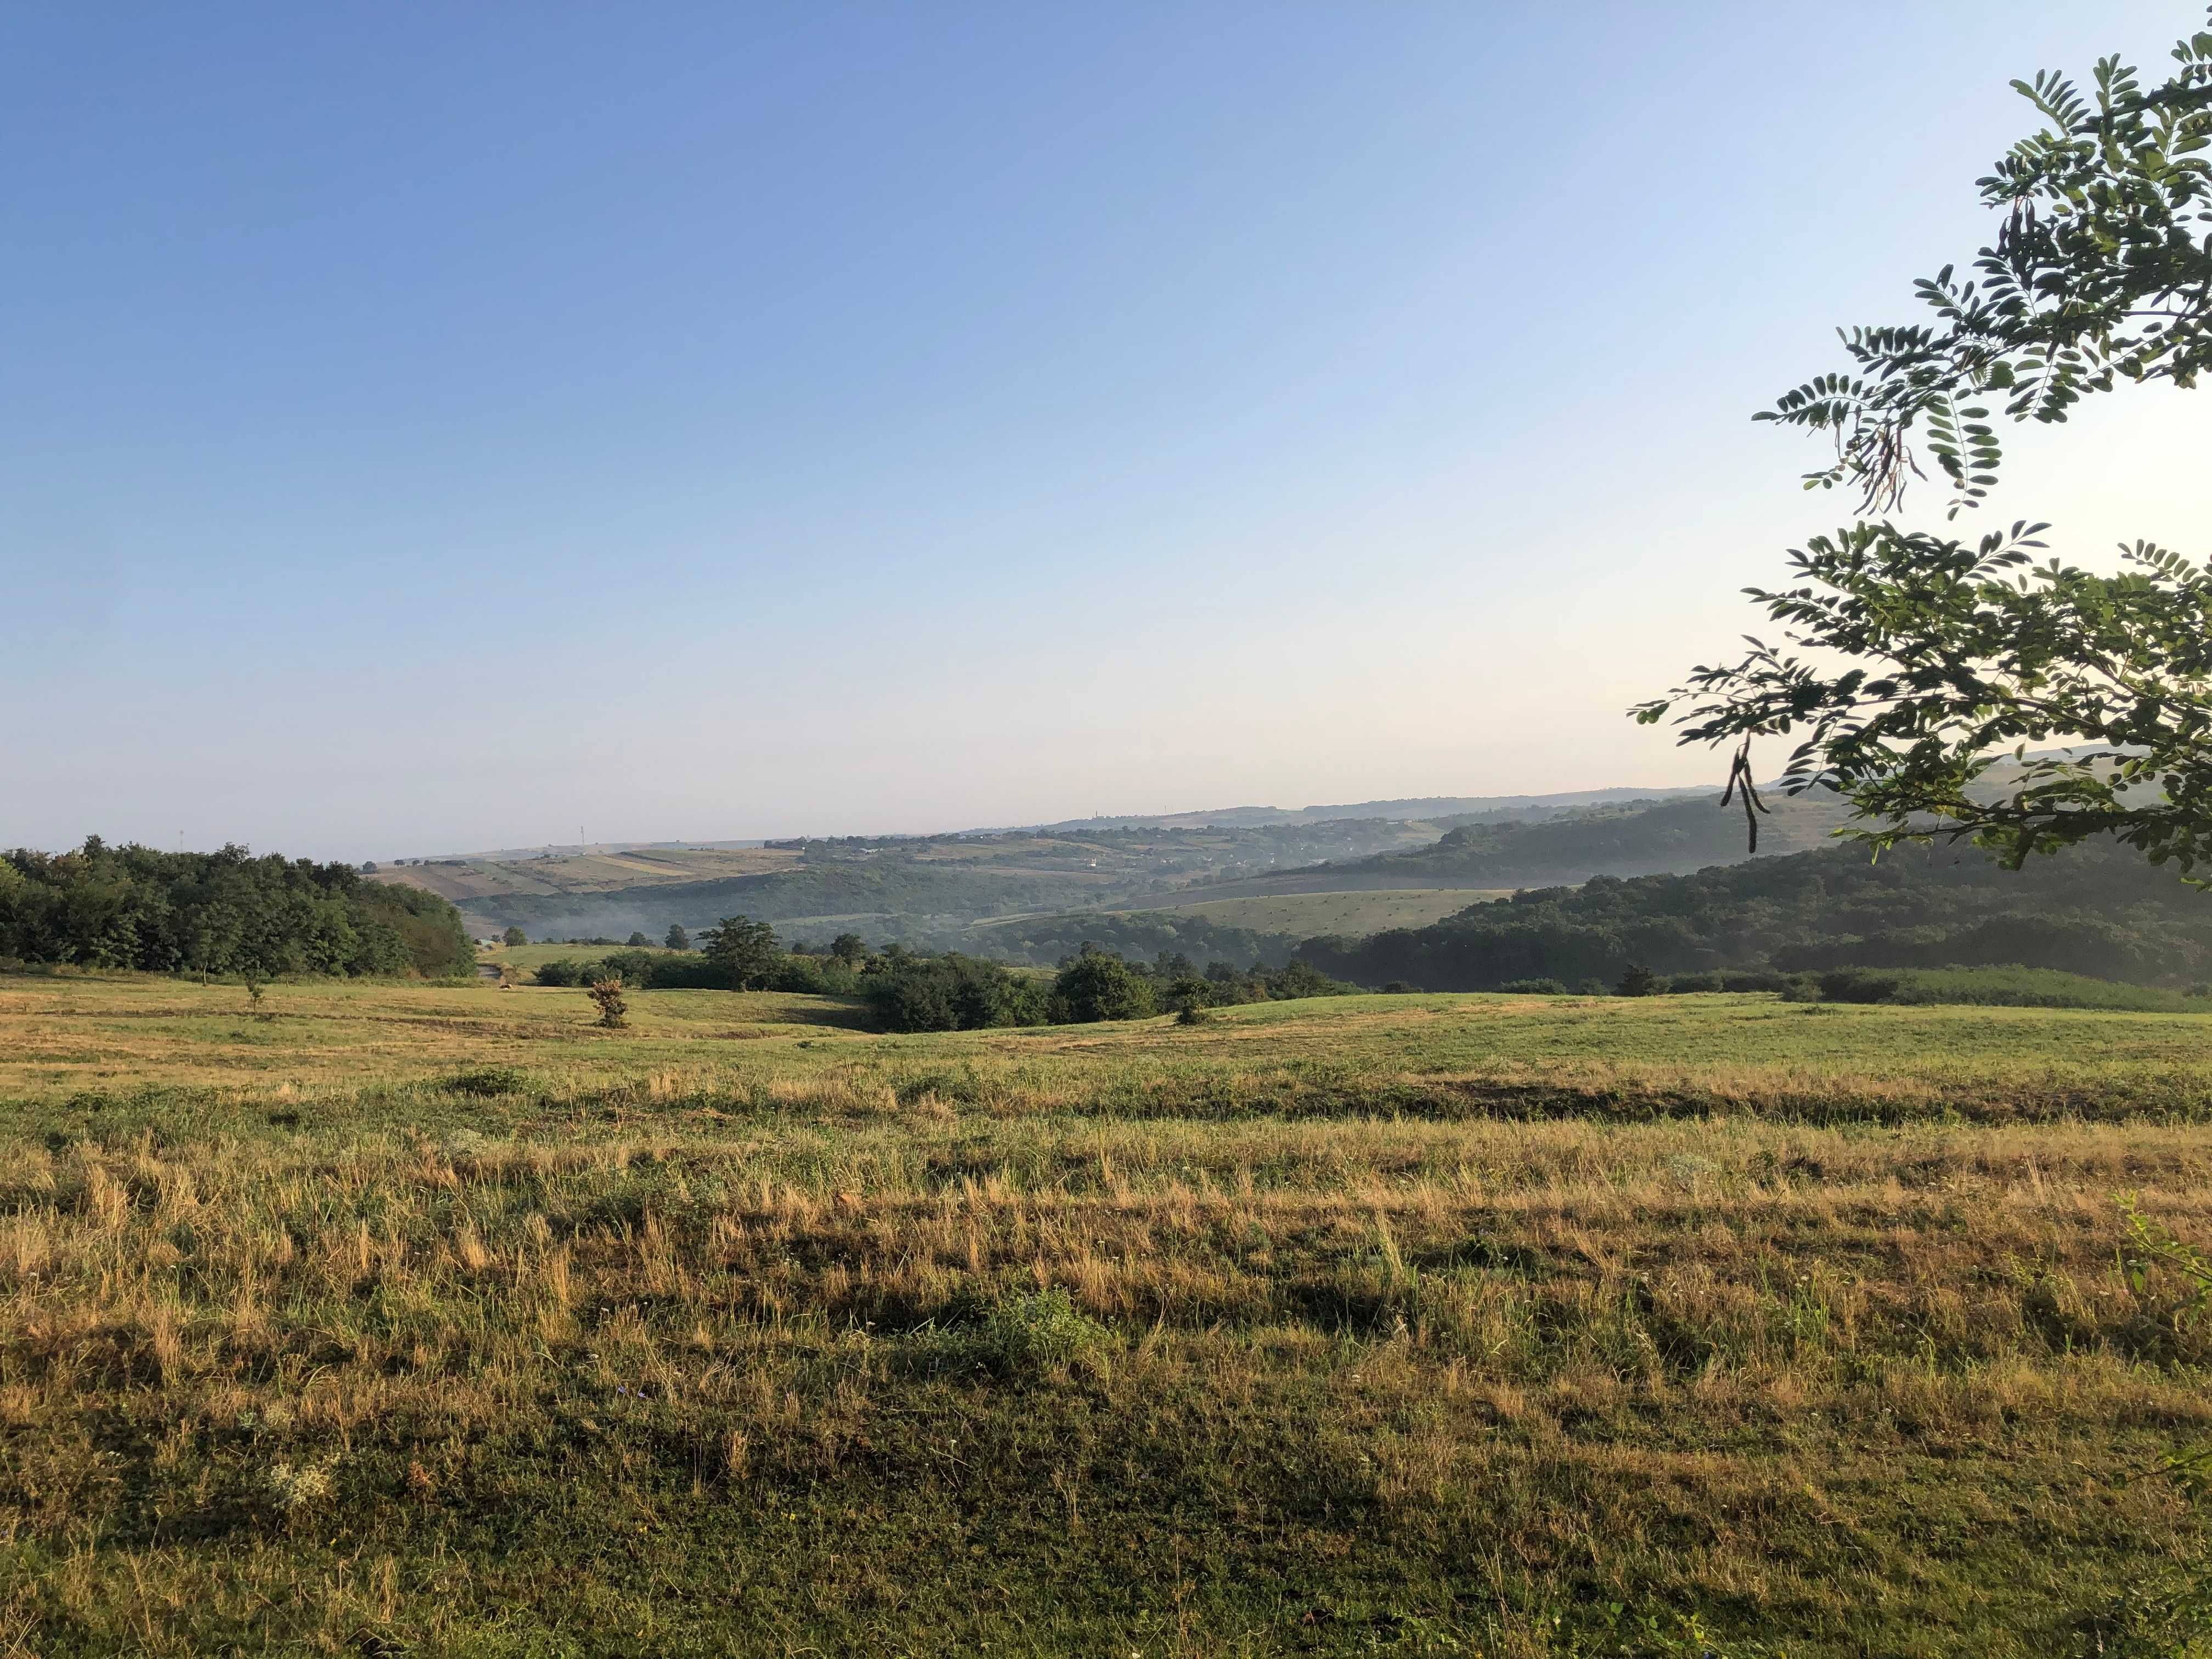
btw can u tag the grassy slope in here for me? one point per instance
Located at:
(525, 957)
(464, 880)
(1305, 914)
(412, 1319)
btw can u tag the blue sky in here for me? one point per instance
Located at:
(429, 428)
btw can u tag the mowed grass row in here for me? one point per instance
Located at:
(1102, 1340)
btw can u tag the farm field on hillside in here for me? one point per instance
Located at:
(464, 880)
(428, 1319)
(527, 959)
(1355, 913)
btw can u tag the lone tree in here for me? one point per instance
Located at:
(1941, 663)
(636, 940)
(678, 939)
(1093, 985)
(742, 952)
(515, 936)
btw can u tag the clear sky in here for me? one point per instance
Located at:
(428, 428)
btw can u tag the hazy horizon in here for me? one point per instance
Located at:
(617, 842)
(448, 430)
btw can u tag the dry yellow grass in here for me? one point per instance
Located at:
(435, 1321)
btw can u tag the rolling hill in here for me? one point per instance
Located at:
(2097, 909)
(1633, 838)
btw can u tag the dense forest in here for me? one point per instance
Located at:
(219, 912)
(2097, 909)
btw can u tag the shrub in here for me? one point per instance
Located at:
(1640, 981)
(950, 993)
(1303, 978)
(614, 1010)
(560, 971)
(1033, 1332)
(1534, 987)
(1188, 992)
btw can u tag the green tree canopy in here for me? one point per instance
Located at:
(678, 939)
(219, 912)
(1093, 986)
(742, 952)
(1911, 662)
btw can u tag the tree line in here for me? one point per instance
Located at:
(226, 912)
(947, 990)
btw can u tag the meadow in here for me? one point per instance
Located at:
(397, 1319)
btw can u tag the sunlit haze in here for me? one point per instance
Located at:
(439, 428)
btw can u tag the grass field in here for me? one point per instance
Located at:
(1305, 914)
(526, 958)
(421, 1320)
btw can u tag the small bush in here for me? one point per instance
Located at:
(1754, 981)
(1024, 1336)
(1640, 981)
(1035, 1332)
(614, 1010)
(1534, 987)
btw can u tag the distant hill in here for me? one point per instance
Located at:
(1633, 838)
(2097, 909)
(914, 889)
(1424, 809)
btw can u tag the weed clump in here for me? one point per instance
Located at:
(1028, 1335)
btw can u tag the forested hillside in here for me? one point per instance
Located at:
(2099, 909)
(1633, 838)
(226, 912)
